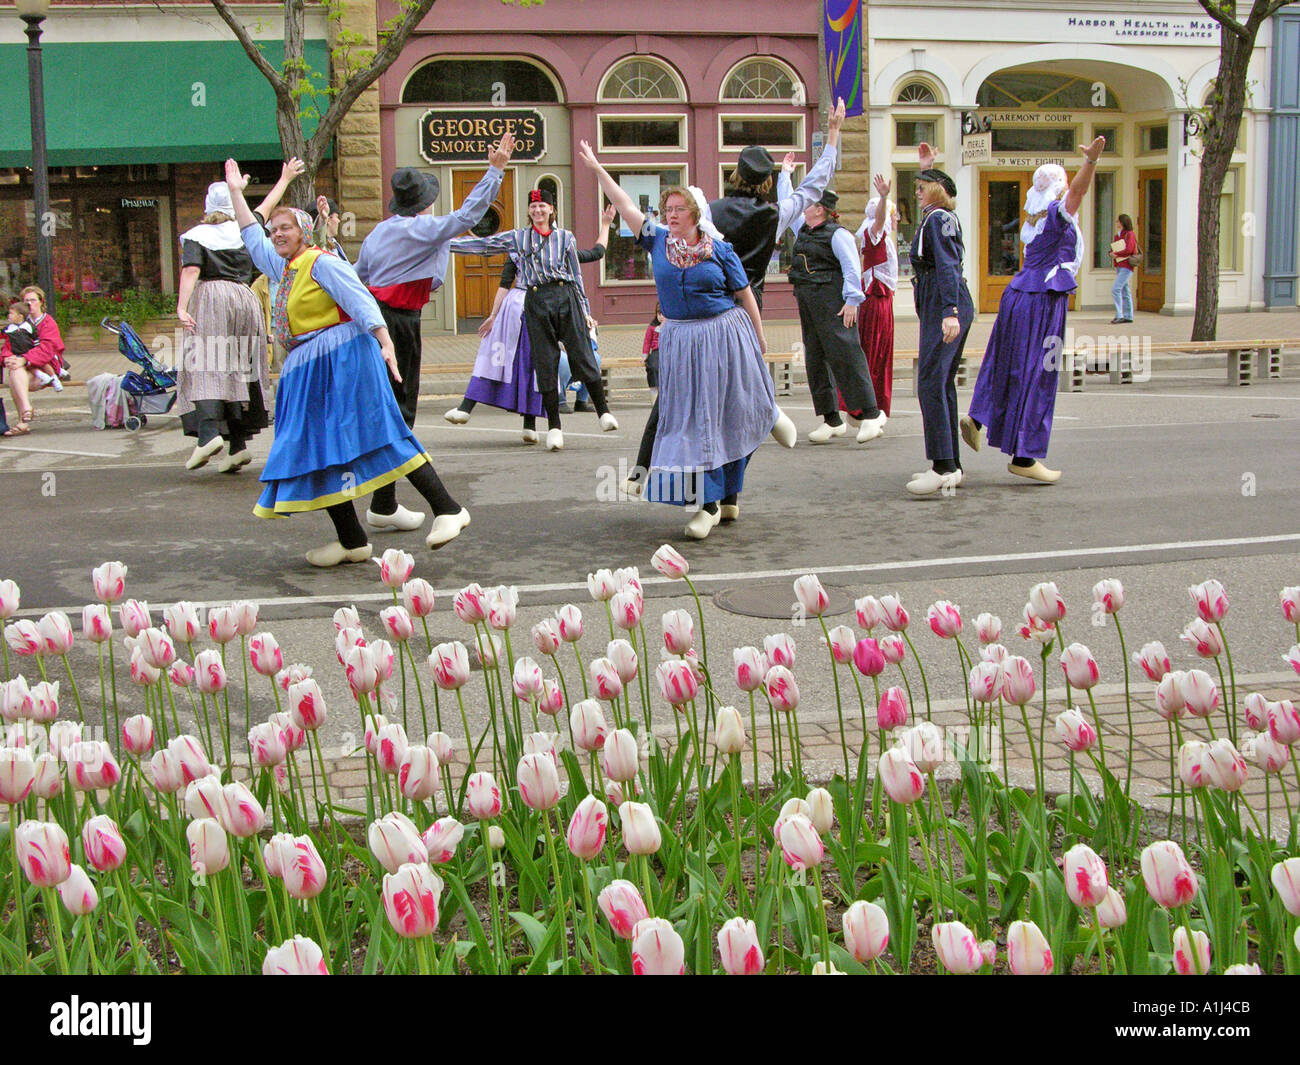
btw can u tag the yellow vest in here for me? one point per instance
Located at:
(310, 306)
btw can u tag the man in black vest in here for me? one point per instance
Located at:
(827, 282)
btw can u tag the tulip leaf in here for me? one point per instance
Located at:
(476, 930)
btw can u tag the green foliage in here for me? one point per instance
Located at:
(136, 305)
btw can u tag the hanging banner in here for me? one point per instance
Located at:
(843, 31)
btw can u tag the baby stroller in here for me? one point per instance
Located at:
(153, 389)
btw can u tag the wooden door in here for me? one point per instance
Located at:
(1150, 273)
(997, 248)
(479, 276)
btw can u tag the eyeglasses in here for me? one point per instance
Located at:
(683, 209)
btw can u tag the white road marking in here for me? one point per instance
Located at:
(513, 432)
(56, 451)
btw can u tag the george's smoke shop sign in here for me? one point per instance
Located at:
(467, 136)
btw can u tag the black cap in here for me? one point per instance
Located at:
(542, 196)
(949, 186)
(333, 206)
(412, 191)
(754, 165)
(830, 200)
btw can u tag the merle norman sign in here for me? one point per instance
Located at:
(467, 136)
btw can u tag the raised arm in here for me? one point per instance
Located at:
(255, 239)
(790, 208)
(237, 183)
(622, 202)
(1079, 186)
(292, 169)
(882, 212)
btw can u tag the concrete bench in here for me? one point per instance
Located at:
(1247, 360)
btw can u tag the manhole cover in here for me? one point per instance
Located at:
(777, 600)
(1266, 415)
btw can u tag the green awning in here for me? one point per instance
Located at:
(152, 102)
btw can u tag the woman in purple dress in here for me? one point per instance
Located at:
(1015, 394)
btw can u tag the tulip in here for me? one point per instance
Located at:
(385, 660)
(395, 841)
(267, 745)
(923, 744)
(1109, 595)
(1111, 912)
(1226, 767)
(739, 949)
(45, 701)
(677, 682)
(679, 632)
(811, 595)
(587, 827)
(801, 846)
(411, 900)
(546, 637)
(542, 743)
(165, 772)
(868, 612)
(96, 623)
(1193, 769)
(10, 599)
(1168, 876)
(24, 638)
(142, 673)
(958, 949)
(1203, 639)
(601, 585)
(587, 722)
(627, 609)
(623, 907)
(1079, 666)
(470, 604)
(1284, 722)
(527, 682)
(1242, 969)
(361, 669)
(892, 614)
(988, 628)
(496, 838)
(109, 581)
(209, 673)
(395, 568)
(640, 829)
(782, 691)
(78, 893)
(223, 626)
(502, 607)
(190, 755)
(668, 561)
(56, 632)
(240, 813)
(621, 756)
(1291, 604)
(417, 597)
(307, 705)
(15, 699)
(209, 851)
(538, 780)
(245, 616)
(17, 774)
(442, 746)
(866, 930)
(779, 649)
(264, 654)
(442, 838)
(568, 623)
(1184, 963)
(397, 623)
(1075, 731)
(1018, 685)
(298, 956)
(868, 658)
(1035, 628)
(483, 796)
(605, 681)
(1200, 694)
(134, 616)
(294, 736)
(371, 727)
(181, 674)
(1268, 754)
(730, 738)
(1086, 880)
(182, 622)
(900, 776)
(91, 766)
(821, 810)
(449, 664)
(840, 641)
(1046, 602)
(417, 775)
(346, 639)
(892, 710)
(751, 667)
(102, 842)
(1169, 696)
(944, 618)
(1286, 882)
(1154, 660)
(657, 949)
(1255, 707)
(622, 657)
(63, 735)
(1210, 600)
(391, 746)
(203, 797)
(985, 681)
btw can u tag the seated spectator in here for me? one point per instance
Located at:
(40, 366)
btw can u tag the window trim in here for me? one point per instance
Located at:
(800, 87)
(1101, 251)
(798, 117)
(1140, 131)
(683, 144)
(603, 98)
(614, 172)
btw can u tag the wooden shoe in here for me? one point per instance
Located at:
(931, 481)
(554, 440)
(1036, 472)
(784, 432)
(961, 476)
(446, 527)
(530, 436)
(400, 520)
(872, 428)
(823, 433)
(702, 524)
(608, 423)
(633, 489)
(971, 435)
(202, 452)
(457, 416)
(728, 512)
(233, 463)
(335, 553)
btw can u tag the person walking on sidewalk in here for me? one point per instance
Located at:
(403, 261)
(1122, 259)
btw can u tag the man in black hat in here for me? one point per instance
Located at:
(827, 281)
(403, 261)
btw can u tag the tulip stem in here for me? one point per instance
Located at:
(925, 686)
(936, 898)
(1060, 643)
(839, 704)
(20, 907)
(76, 694)
(734, 774)
(779, 955)
(1128, 707)
(646, 883)
(561, 891)
(1232, 678)
(56, 926)
(128, 918)
(498, 947)
(947, 834)
(270, 898)
(591, 920)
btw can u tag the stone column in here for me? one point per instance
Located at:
(360, 176)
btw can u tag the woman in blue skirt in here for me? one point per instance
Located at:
(338, 431)
(1015, 395)
(716, 401)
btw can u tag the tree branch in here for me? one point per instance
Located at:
(1224, 18)
(250, 46)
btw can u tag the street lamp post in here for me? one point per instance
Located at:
(33, 13)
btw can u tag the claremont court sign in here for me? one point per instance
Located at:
(465, 136)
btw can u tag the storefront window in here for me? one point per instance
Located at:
(908, 133)
(1105, 217)
(648, 132)
(1230, 221)
(1059, 139)
(740, 131)
(904, 194)
(761, 79)
(479, 81)
(640, 79)
(624, 259)
(1155, 138)
(1045, 91)
(1111, 133)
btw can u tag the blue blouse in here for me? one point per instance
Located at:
(705, 290)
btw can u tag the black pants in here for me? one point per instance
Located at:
(404, 328)
(936, 367)
(553, 316)
(832, 353)
(424, 479)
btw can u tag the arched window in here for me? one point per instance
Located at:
(480, 81)
(1044, 91)
(641, 80)
(762, 79)
(916, 92)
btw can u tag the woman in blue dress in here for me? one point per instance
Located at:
(338, 431)
(1015, 395)
(716, 401)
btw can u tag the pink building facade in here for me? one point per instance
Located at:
(672, 100)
